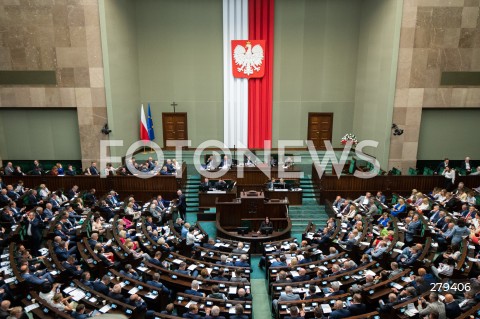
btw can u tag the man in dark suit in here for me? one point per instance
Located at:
(452, 309)
(62, 251)
(37, 168)
(129, 272)
(93, 169)
(32, 279)
(72, 192)
(54, 202)
(155, 282)
(412, 229)
(101, 286)
(178, 225)
(295, 313)
(70, 171)
(71, 269)
(339, 312)
(214, 313)
(4, 199)
(441, 166)
(239, 313)
(194, 289)
(221, 185)
(356, 306)
(90, 197)
(34, 226)
(192, 312)
(12, 194)
(79, 312)
(116, 293)
(107, 210)
(302, 276)
(156, 259)
(181, 204)
(210, 244)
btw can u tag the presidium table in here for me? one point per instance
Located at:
(253, 179)
(240, 218)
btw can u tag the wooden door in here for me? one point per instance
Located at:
(320, 128)
(175, 127)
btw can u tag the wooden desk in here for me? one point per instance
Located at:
(142, 189)
(254, 177)
(294, 196)
(208, 199)
(249, 210)
(249, 205)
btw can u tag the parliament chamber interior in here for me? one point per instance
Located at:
(239, 159)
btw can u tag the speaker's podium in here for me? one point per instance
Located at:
(240, 219)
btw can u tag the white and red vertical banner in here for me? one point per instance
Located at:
(235, 90)
(260, 90)
(143, 126)
(248, 71)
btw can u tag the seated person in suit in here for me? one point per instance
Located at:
(192, 312)
(242, 262)
(155, 282)
(221, 185)
(86, 279)
(182, 269)
(243, 295)
(338, 311)
(101, 286)
(288, 295)
(238, 276)
(214, 313)
(302, 275)
(116, 293)
(265, 225)
(271, 184)
(71, 268)
(210, 244)
(223, 261)
(205, 186)
(194, 289)
(356, 307)
(335, 289)
(216, 294)
(168, 309)
(312, 293)
(239, 313)
(35, 280)
(295, 313)
(280, 184)
(226, 162)
(239, 249)
(79, 312)
(249, 162)
(129, 272)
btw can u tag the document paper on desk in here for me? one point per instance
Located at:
(326, 308)
(77, 294)
(31, 307)
(105, 309)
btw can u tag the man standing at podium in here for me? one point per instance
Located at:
(181, 205)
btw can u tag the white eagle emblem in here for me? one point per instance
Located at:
(249, 59)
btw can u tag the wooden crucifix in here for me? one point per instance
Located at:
(174, 104)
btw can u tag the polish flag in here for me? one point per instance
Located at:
(143, 126)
